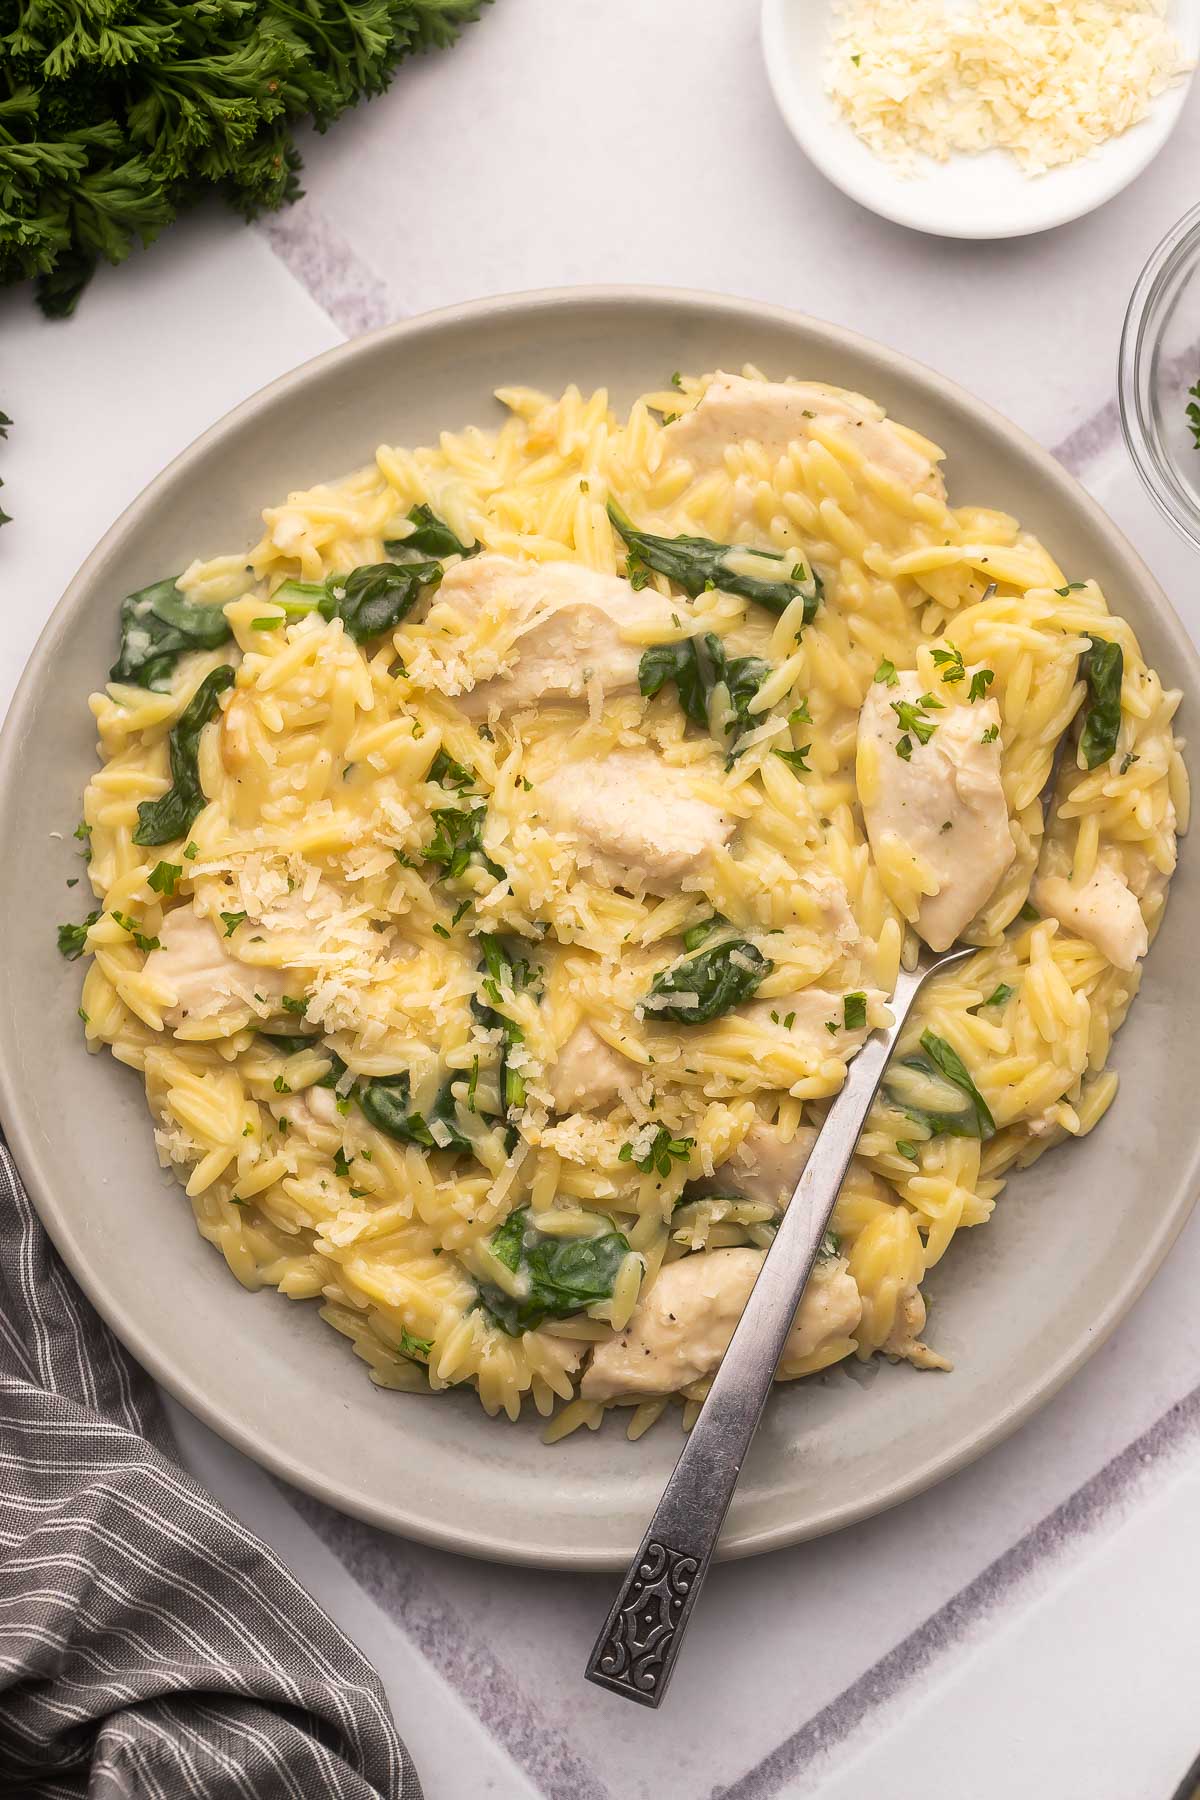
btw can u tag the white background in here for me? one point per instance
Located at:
(1028, 1628)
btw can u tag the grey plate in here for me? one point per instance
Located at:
(1018, 1305)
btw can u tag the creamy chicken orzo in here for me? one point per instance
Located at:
(497, 867)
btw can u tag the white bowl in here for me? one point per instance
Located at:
(983, 196)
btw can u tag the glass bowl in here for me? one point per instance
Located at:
(1160, 361)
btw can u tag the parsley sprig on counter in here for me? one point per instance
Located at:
(115, 118)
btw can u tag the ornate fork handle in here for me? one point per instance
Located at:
(636, 1651)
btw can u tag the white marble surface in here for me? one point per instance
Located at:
(1026, 1627)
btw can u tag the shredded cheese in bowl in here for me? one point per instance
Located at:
(1049, 82)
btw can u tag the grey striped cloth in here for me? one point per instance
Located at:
(149, 1645)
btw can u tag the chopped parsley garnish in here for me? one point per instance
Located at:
(232, 920)
(163, 877)
(449, 773)
(795, 759)
(913, 717)
(906, 1148)
(950, 662)
(997, 997)
(291, 1004)
(662, 1152)
(457, 837)
(854, 1011)
(1127, 762)
(886, 673)
(990, 735)
(72, 939)
(981, 681)
(145, 944)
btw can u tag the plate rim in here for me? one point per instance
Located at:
(70, 1241)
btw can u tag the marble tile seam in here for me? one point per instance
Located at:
(1077, 1517)
(342, 282)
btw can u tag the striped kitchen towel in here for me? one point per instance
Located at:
(149, 1645)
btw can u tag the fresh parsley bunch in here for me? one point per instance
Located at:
(115, 114)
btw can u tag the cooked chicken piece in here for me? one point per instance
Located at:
(776, 414)
(806, 1018)
(588, 1073)
(572, 620)
(214, 991)
(1104, 910)
(764, 1168)
(943, 806)
(682, 1324)
(312, 1115)
(635, 820)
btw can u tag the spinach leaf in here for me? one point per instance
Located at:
(500, 971)
(697, 665)
(695, 935)
(158, 625)
(288, 1045)
(708, 984)
(337, 1069)
(370, 600)
(681, 664)
(695, 563)
(561, 1276)
(1103, 666)
(171, 816)
(922, 1086)
(432, 537)
(384, 1100)
(374, 598)
(72, 939)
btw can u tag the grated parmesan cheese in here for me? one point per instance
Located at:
(1049, 82)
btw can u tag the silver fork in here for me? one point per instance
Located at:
(637, 1648)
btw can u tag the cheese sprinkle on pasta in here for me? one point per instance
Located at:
(496, 881)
